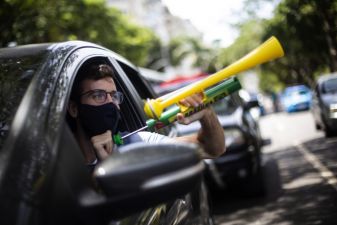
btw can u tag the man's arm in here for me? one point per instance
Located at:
(211, 135)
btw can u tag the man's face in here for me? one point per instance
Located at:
(89, 86)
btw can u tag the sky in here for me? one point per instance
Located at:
(214, 18)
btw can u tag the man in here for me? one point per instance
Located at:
(94, 114)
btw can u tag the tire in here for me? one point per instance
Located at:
(254, 184)
(328, 132)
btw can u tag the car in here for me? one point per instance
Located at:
(43, 178)
(240, 167)
(296, 98)
(324, 105)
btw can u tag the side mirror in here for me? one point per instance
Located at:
(142, 176)
(266, 141)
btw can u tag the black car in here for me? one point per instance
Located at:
(43, 178)
(324, 104)
(239, 168)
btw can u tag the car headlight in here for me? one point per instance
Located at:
(234, 136)
(333, 110)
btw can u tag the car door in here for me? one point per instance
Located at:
(175, 212)
(192, 208)
(135, 90)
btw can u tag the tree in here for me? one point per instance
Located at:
(251, 32)
(307, 30)
(27, 21)
(249, 38)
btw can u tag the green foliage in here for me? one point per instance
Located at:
(37, 21)
(250, 37)
(308, 32)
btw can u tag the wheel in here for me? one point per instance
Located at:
(254, 184)
(328, 132)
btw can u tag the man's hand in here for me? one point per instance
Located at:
(191, 101)
(103, 144)
(211, 134)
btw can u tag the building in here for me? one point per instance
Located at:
(155, 15)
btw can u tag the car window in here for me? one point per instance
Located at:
(297, 93)
(130, 114)
(142, 86)
(330, 86)
(303, 92)
(145, 91)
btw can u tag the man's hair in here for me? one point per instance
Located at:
(91, 71)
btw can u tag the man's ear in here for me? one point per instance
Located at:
(72, 109)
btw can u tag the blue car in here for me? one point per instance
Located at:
(296, 98)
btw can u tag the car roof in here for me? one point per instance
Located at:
(67, 46)
(326, 77)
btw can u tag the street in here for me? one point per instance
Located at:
(300, 170)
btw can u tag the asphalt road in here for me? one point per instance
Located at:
(300, 170)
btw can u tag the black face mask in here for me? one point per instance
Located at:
(98, 119)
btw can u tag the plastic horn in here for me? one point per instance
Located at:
(211, 96)
(267, 51)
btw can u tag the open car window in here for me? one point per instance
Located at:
(145, 91)
(130, 119)
(143, 87)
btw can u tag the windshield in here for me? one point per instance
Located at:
(225, 106)
(297, 93)
(330, 86)
(16, 74)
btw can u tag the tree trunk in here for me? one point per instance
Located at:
(330, 28)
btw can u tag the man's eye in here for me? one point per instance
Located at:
(98, 95)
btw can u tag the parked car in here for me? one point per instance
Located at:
(240, 166)
(296, 98)
(43, 178)
(324, 107)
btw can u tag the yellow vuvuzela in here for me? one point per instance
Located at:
(267, 51)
